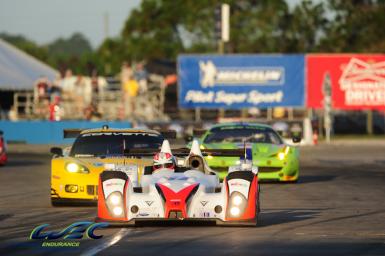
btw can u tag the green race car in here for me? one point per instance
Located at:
(276, 160)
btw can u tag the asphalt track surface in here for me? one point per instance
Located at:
(337, 208)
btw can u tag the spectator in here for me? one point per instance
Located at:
(130, 89)
(56, 87)
(41, 88)
(91, 113)
(141, 76)
(55, 109)
(12, 114)
(41, 96)
(94, 87)
(80, 91)
(125, 74)
(68, 85)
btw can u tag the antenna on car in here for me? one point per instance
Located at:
(244, 149)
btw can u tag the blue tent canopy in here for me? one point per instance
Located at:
(18, 70)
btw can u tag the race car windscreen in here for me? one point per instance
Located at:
(101, 144)
(238, 134)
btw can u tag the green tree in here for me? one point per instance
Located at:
(26, 45)
(75, 45)
(355, 26)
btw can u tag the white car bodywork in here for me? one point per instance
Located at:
(194, 194)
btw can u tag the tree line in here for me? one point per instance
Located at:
(162, 29)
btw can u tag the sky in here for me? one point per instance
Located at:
(43, 21)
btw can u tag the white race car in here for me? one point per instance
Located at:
(191, 192)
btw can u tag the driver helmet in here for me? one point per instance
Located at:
(164, 161)
(246, 165)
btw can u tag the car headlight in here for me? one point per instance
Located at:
(282, 155)
(115, 199)
(234, 211)
(76, 168)
(237, 200)
(115, 204)
(237, 204)
(117, 210)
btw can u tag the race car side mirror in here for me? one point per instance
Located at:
(57, 151)
(188, 138)
(296, 139)
(198, 132)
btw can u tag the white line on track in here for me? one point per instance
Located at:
(107, 243)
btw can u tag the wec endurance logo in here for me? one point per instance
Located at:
(73, 231)
(211, 75)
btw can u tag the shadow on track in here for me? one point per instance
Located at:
(15, 163)
(316, 178)
(274, 217)
(302, 179)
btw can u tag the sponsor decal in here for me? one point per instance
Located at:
(357, 80)
(253, 97)
(240, 81)
(178, 178)
(118, 133)
(212, 75)
(238, 184)
(149, 203)
(363, 83)
(114, 184)
(175, 202)
(203, 203)
(75, 231)
(56, 177)
(206, 214)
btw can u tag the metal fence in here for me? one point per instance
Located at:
(147, 106)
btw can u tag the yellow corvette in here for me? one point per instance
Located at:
(75, 170)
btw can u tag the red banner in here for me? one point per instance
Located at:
(357, 80)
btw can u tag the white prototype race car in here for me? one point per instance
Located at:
(192, 192)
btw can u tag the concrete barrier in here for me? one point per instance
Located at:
(46, 132)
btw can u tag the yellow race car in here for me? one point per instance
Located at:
(75, 170)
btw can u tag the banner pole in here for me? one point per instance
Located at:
(369, 122)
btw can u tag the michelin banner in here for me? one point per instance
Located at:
(241, 81)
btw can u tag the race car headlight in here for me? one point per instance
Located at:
(115, 204)
(237, 204)
(237, 200)
(76, 168)
(234, 211)
(117, 210)
(115, 199)
(282, 155)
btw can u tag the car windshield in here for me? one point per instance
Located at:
(240, 134)
(97, 144)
